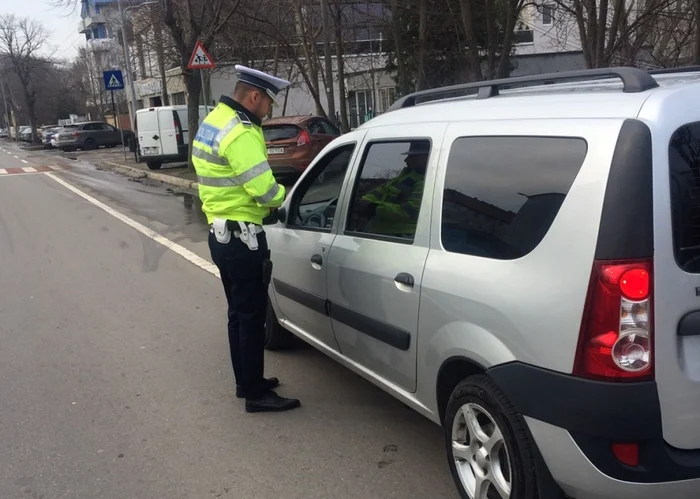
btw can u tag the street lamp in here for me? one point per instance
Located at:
(122, 13)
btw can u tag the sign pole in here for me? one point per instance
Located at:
(204, 92)
(116, 124)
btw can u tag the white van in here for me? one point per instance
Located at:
(164, 133)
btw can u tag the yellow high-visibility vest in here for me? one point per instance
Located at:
(230, 157)
(398, 203)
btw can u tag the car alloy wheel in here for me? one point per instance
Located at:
(480, 454)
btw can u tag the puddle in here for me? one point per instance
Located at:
(193, 208)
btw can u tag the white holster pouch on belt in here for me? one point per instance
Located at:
(249, 235)
(221, 230)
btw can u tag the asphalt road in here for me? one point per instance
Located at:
(115, 380)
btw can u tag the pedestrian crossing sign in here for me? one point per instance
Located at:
(200, 58)
(113, 80)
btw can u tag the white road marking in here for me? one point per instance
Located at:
(180, 250)
(8, 152)
(16, 157)
(3, 171)
(25, 162)
(29, 169)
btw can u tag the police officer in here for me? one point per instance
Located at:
(238, 190)
(393, 206)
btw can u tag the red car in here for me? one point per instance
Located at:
(294, 141)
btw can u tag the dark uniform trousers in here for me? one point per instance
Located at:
(246, 292)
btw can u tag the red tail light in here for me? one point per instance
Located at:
(75, 134)
(177, 132)
(615, 342)
(303, 138)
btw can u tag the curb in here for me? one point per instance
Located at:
(161, 177)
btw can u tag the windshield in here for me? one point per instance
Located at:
(280, 132)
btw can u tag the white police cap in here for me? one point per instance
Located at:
(271, 84)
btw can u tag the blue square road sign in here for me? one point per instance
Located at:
(113, 80)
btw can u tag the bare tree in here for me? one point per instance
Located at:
(188, 22)
(22, 39)
(611, 31)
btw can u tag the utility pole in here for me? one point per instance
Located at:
(330, 93)
(4, 100)
(129, 72)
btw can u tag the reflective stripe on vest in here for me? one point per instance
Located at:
(208, 157)
(269, 195)
(241, 179)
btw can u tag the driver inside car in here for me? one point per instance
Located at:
(392, 208)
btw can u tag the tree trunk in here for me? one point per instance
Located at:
(340, 60)
(397, 29)
(472, 43)
(309, 70)
(421, 81)
(328, 60)
(696, 51)
(142, 58)
(160, 55)
(30, 99)
(194, 90)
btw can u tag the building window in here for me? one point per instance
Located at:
(524, 34)
(360, 103)
(547, 15)
(387, 96)
(178, 99)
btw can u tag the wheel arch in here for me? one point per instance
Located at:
(451, 373)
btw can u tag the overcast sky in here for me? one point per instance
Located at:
(62, 23)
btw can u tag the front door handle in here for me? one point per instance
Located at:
(317, 261)
(404, 278)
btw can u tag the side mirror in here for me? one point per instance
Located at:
(282, 214)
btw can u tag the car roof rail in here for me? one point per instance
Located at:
(669, 71)
(634, 80)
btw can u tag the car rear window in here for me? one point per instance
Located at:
(502, 194)
(684, 166)
(280, 132)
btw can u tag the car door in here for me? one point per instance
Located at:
(300, 245)
(110, 135)
(375, 272)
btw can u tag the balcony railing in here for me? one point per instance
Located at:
(87, 23)
(101, 44)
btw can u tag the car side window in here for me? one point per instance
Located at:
(316, 198)
(106, 126)
(389, 190)
(315, 127)
(502, 194)
(91, 127)
(328, 129)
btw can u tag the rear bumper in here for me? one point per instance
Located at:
(168, 158)
(288, 165)
(573, 419)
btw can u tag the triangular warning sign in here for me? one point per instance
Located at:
(200, 58)
(114, 82)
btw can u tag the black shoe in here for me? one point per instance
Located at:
(269, 384)
(271, 402)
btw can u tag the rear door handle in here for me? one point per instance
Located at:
(404, 278)
(317, 261)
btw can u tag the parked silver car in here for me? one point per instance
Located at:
(523, 268)
(90, 135)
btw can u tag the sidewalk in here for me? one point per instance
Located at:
(113, 159)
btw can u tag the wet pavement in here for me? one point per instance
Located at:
(115, 376)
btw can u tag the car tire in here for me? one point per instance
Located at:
(89, 145)
(276, 337)
(154, 165)
(67, 149)
(488, 443)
